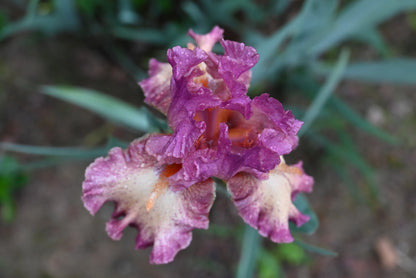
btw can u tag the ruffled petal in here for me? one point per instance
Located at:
(206, 42)
(181, 118)
(204, 163)
(278, 128)
(267, 204)
(183, 60)
(143, 197)
(182, 141)
(235, 63)
(258, 161)
(238, 58)
(156, 88)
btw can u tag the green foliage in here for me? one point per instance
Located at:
(303, 206)
(290, 253)
(88, 7)
(11, 180)
(314, 249)
(394, 71)
(411, 18)
(249, 252)
(48, 17)
(108, 107)
(269, 265)
(324, 93)
(3, 20)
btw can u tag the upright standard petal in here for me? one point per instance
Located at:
(156, 88)
(267, 204)
(234, 68)
(206, 42)
(183, 60)
(143, 199)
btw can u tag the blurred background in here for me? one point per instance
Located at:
(68, 92)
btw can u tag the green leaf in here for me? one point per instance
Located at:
(54, 151)
(359, 15)
(291, 253)
(314, 249)
(11, 180)
(309, 227)
(126, 13)
(268, 47)
(324, 93)
(63, 18)
(309, 86)
(269, 266)
(351, 156)
(358, 121)
(222, 231)
(300, 34)
(249, 252)
(58, 155)
(397, 71)
(152, 36)
(373, 37)
(109, 107)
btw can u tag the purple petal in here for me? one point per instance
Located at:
(204, 163)
(181, 118)
(240, 103)
(267, 204)
(183, 60)
(156, 88)
(144, 200)
(206, 42)
(238, 58)
(278, 127)
(234, 66)
(182, 140)
(259, 160)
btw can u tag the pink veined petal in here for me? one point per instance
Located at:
(156, 88)
(144, 200)
(267, 204)
(206, 42)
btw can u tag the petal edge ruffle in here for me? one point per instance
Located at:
(129, 178)
(267, 204)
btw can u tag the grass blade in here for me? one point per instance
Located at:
(249, 253)
(358, 121)
(309, 86)
(352, 157)
(325, 92)
(398, 71)
(107, 106)
(357, 16)
(54, 151)
(314, 249)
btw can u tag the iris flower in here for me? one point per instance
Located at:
(163, 185)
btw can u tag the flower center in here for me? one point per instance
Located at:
(239, 132)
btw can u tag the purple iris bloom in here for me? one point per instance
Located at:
(162, 184)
